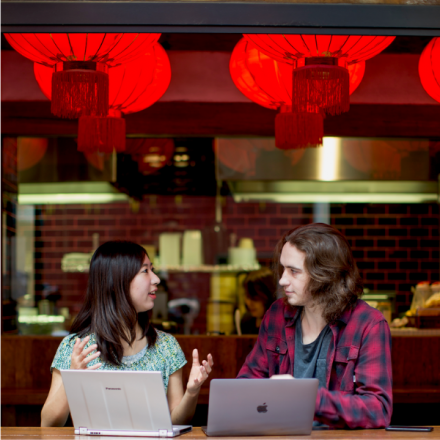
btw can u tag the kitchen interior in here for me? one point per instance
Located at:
(202, 186)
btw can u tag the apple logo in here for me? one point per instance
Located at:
(262, 408)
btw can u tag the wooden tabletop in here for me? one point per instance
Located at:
(197, 434)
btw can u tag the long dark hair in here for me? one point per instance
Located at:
(334, 283)
(108, 311)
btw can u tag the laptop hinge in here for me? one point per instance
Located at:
(163, 433)
(82, 430)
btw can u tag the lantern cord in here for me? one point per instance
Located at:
(79, 92)
(321, 88)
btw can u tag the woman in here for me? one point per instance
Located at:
(112, 332)
(260, 289)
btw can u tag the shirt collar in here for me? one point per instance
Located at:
(345, 317)
(292, 313)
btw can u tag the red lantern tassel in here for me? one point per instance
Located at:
(102, 134)
(298, 130)
(79, 89)
(321, 87)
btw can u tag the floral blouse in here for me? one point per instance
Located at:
(165, 356)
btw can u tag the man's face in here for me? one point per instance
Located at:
(295, 277)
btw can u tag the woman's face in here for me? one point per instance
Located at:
(143, 287)
(255, 306)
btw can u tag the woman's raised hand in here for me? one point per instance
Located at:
(80, 357)
(199, 372)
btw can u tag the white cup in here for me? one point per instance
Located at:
(238, 256)
(192, 254)
(169, 248)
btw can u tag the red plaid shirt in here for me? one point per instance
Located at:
(359, 376)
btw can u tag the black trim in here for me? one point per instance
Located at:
(83, 16)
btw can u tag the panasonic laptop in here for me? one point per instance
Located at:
(239, 407)
(122, 403)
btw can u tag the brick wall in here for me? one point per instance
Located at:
(395, 246)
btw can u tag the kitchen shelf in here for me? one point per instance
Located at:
(207, 268)
(203, 268)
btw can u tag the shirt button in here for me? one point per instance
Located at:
(277, 349)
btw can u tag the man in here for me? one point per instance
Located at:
(322, 329)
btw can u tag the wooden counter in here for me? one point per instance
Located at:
(197, 434)
(26, 361)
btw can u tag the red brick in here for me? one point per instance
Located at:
(276, 221)
(268, 232)
(257, 221)
(290, 209)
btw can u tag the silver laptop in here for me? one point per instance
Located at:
(261, 407)
(122, 403)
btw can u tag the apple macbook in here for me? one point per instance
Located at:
(239, 407)
(119, 403)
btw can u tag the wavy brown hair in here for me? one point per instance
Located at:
(108, 311)
(334, 284)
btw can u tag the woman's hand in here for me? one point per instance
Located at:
(199, 373)
(80, 357)
(183, 405)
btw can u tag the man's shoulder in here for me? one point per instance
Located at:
(280, 306)
(280, 310)
(364, 313)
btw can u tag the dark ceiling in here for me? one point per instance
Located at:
(226, 42)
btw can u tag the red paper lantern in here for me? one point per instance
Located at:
(269, 83)
(429, 69)
(320, 76)
(80, 63)
(133, 87)
(30, 151)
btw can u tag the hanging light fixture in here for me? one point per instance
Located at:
(80, 64)
(133, 87)
(268, 82)
(320, 76)
(429, 69)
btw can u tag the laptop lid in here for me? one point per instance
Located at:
(261, 406)
(117, 401)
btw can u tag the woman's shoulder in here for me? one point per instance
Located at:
(163, 337)
(64, 352)
(167, 348)
(166, 341)
(68, 342)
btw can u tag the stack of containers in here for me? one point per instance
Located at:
(221, 304)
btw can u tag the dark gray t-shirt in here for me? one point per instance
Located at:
(311, 359)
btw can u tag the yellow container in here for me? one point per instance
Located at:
(241, 293)
(220, 317)
(224, 287)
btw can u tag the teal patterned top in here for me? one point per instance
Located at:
(165, 356)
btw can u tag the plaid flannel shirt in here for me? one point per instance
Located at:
(358, 376)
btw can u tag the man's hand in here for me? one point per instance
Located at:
(80, 357)
(199, 372)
